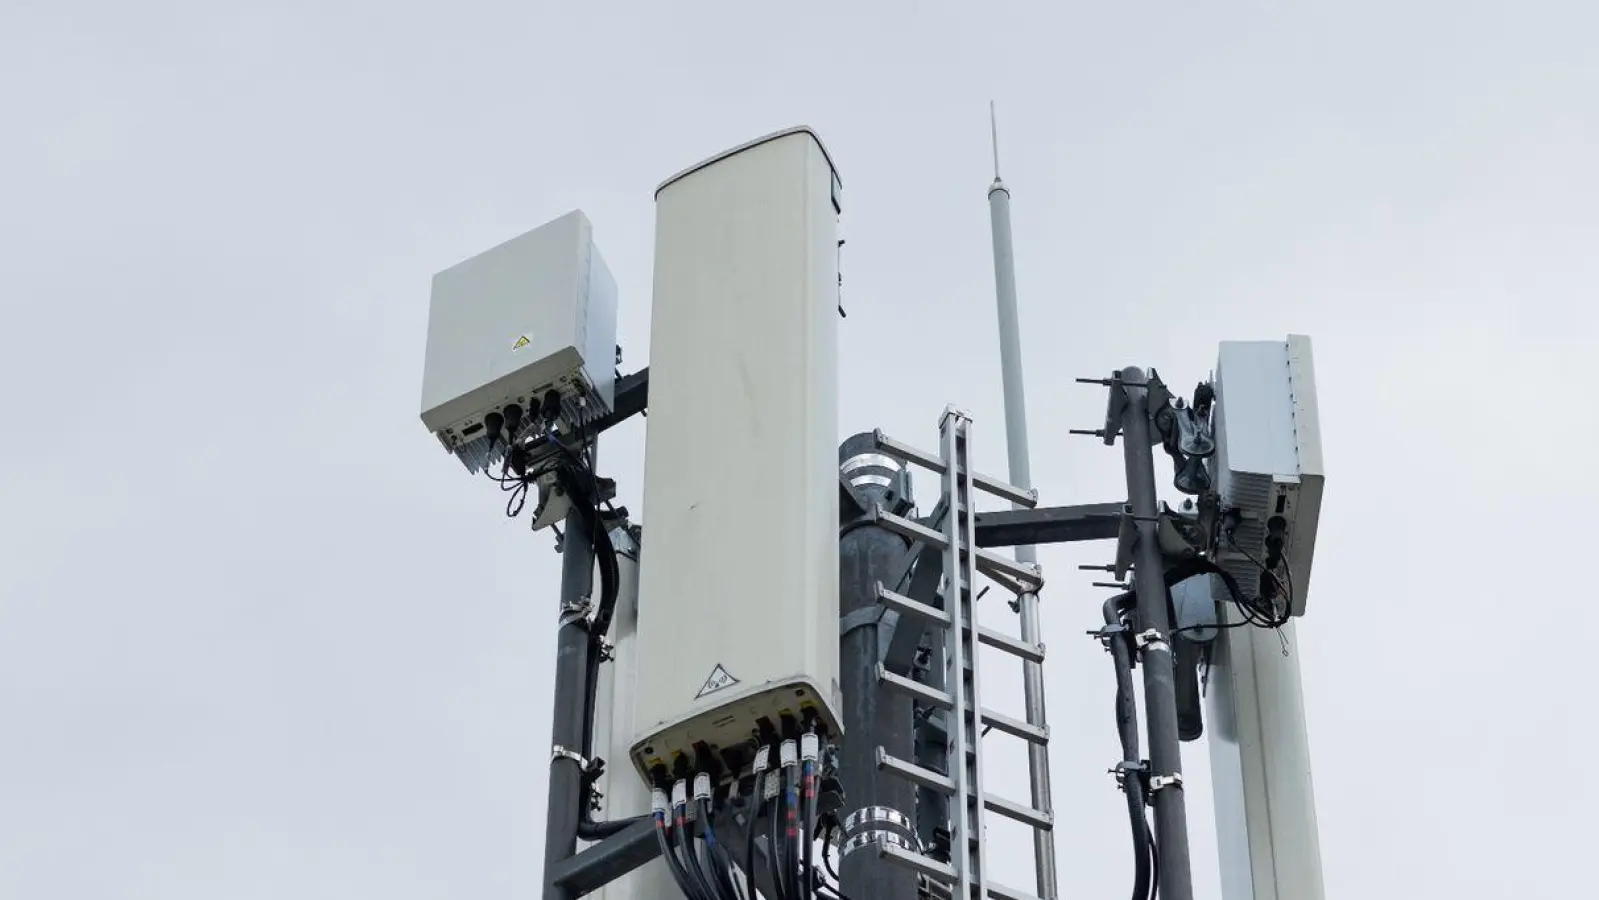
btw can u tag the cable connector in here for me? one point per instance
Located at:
(788, 754)
(702, 786)
(679, 793)
(763, 760)
(658, 802)
(810, 747)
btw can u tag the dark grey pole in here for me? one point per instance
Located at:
(874, 715)
(567, 723)
(1160, 683)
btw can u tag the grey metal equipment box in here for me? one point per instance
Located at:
(537, 313)
(1268, 456)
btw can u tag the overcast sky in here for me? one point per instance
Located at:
(261, 638)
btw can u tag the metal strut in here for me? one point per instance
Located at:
(964, 716)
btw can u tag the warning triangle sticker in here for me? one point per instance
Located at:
(521, 342)
(719, 678)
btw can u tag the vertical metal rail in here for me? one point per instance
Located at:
(1010, 360)
(1154, 642)
(565, 803)
(960, 698)
(966, 765)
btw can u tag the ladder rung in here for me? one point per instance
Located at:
(907, 528)
(1028, 652)
(916, 690)
(991, 563)
(1015, 727)
(916, 862)
(985, 483)
(905, 606)
(912, 772)
(928, 778)
(1043, 821)
(988, 562)
(934, 616)
(942, 700)
(1002, 892)
(942, 872)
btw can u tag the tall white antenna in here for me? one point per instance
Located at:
(993, 128)
(1010, 361)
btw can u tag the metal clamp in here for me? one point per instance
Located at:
(575, 610)
(1139, 771)
(606, 649)
(1103, 635)
(868, 814)
(876, 839)
(1157, 782)
(559, 752)
(1152, 640)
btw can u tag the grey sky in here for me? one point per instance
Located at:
(259, 638)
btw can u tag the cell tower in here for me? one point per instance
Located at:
(770, 688)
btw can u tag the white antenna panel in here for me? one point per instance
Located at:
(738, 607)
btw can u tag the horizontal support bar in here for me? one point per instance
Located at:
(1004, 642)
(913, 773)
(1016, 812)
(906, 453)
(1016, 728)
(905, 606)
(925, 777)
(916, 862)
(1050, 525)
(1004, 570)
(1005, 892)
(608, 860)
(941, 872)
(914, 689)
(942, 700)
(908, 528)
(1001, 568)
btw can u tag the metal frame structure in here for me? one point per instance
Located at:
(938, 557)
(910, 765)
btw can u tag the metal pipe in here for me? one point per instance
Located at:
(1010, 359)
(1127, 732)
(567, 721)
(873, 715)
(1160, 684)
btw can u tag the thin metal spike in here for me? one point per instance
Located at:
(993, 126)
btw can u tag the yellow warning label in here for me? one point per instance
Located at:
(521, 342)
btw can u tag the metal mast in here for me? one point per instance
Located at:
(1010, 360)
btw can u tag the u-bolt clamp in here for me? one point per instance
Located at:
(559, 752)
(1152, 640)
(1157, 782)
